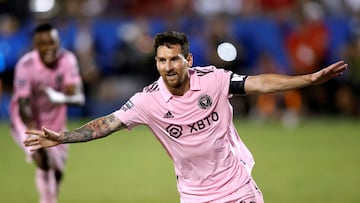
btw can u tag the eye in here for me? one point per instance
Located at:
(161, 60)
(175, 59)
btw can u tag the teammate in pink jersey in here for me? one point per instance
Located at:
(189, 112)
(46, 79)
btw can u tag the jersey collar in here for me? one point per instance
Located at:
(194, 85)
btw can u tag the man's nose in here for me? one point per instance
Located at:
(168, 66)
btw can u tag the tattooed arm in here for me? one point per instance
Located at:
(98, 128)
(95, 129)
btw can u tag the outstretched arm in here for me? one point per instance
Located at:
(267, 83)
(95, 129)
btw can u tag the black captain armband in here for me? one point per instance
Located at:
(237, 84)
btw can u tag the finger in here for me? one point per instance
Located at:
(339, 70)
(31, 143)
(334, 65)
(339, 63)
(46, 132)
(342, 68)
(31, 140)
(34, 132)
(50, 134)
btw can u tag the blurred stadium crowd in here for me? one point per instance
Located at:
(113, 42)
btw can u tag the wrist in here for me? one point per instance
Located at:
(61, 136)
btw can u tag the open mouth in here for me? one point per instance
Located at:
(171, 76)
(49, 57)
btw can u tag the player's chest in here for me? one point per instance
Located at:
(183, 118)
(191, 105)
(54, 79)
(194, 112)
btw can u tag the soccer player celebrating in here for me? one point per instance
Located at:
(46, 79)
(189, 112)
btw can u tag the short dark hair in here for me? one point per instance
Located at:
(44, 27)
(172, 38)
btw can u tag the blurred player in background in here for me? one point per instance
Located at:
(189, 112)
(46, 79)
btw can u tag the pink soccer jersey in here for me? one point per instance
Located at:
(197, 132)
(31, 76)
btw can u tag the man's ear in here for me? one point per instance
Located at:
(189, 60)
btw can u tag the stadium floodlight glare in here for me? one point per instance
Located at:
(227, 51)
(41, 5)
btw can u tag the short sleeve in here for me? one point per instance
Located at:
(22, 79)
(223, 79)
(133, 112)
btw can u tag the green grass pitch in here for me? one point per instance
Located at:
(319, 161)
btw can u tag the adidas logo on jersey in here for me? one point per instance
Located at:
(168, 115)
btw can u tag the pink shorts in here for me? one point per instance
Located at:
(249, 193)
(57, 155)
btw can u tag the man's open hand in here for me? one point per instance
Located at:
(44, 138)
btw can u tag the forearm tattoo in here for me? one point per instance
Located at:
(95, 129)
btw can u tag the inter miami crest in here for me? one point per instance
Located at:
(204, 101)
